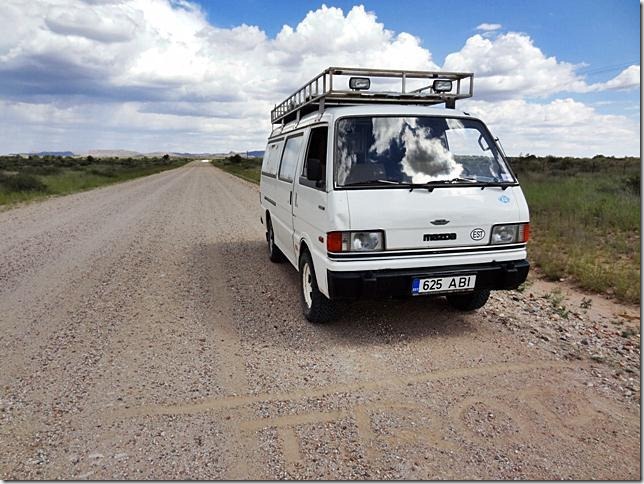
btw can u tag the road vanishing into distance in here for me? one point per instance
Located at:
(144, 334)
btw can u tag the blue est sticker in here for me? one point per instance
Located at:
(504, 199)
(415, 287)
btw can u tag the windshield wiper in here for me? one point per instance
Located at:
(430, 185)
(494, 183)
(461, 179)
(373, 182)
(412, 186)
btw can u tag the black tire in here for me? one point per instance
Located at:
(320, 309)
(274, 253)
(470, 301)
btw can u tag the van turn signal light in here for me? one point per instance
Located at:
(334, 241)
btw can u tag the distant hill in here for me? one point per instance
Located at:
(112, 153)
(51, 153)
(137, 154)
(172, 154)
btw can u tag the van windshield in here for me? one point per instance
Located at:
(416, 150)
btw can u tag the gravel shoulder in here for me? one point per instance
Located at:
(145, 335)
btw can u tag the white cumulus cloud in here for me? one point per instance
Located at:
(511, 65)
(486, 27)
(562, 126)
(629, 78)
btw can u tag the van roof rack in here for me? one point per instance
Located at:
(320, 91)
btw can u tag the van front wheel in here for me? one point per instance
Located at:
(316, 306)
(470, 301)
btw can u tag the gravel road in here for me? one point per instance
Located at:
(145, 334)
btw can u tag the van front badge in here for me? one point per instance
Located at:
(440, 221)
(477, 234)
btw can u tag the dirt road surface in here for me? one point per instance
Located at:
(145, 334)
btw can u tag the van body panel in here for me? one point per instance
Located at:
(435, 260)
(282, 218)
(309, 224)
(319, 255)
(338, 211)
(445, 217)
(308, 217)
(522, 204)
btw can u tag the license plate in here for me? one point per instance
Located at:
(435, 285)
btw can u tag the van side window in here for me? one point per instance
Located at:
(267, 155)
(317, 150)
(290, 157)
(271, 158)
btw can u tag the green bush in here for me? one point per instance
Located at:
(632, 183)
(237, 159)
(42, 170)
(104, 171)
(23, 183)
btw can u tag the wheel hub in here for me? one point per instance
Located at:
(307, 285)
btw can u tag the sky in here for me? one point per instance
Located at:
(551, 77)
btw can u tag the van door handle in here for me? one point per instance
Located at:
(290, 198)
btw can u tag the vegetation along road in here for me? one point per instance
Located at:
(35, 177)
(145, 334)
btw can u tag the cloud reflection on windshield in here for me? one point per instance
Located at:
(426, 158)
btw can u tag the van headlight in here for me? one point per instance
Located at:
(367, 241)
(510, 233)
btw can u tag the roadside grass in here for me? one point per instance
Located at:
(584, 214)
(24, 179)
(586, 227)
(585, 220)
(247, 168)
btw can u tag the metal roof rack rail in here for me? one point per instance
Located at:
(320, 91)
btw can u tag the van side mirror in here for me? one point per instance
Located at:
(313, 169)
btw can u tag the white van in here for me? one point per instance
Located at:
(374, 193)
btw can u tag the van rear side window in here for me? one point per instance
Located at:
(290, 157)
(271, 158)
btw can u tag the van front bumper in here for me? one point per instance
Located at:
(398, 282)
